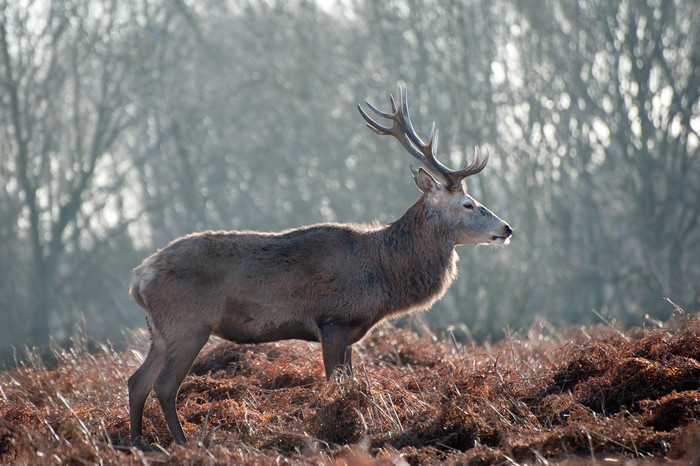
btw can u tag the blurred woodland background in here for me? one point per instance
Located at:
(126, 123)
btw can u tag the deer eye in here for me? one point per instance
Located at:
(468, 206)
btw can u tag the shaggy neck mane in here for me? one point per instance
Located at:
(416, 250)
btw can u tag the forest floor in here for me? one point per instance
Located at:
(582, 395)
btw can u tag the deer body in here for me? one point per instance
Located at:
(274, 286)
(328, 282)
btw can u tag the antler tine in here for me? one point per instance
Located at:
(475, 167)
(428, 150)
(373, 125)
(399, 129)
(389, 115)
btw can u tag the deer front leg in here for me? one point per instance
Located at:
(336, 352)
(348, 358)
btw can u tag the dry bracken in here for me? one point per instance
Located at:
(577, 396)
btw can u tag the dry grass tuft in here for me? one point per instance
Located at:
(581, 395)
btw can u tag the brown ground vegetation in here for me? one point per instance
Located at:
(577, 396)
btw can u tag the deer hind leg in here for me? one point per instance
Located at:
(179, 360)
(140, 384)
(336, 351)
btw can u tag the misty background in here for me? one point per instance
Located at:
(127, 123)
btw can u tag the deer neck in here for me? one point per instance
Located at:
(417, 250)
(420, 231)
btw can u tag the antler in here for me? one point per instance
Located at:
(402, 129)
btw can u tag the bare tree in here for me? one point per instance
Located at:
(612, 122)
(62, 110)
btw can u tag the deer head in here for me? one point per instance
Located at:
(470, 222)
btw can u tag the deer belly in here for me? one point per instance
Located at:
(250, 322)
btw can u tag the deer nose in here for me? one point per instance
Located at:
(509, 231)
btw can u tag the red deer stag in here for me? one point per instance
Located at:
(329, 283)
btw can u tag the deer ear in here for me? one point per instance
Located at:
(425, 181)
